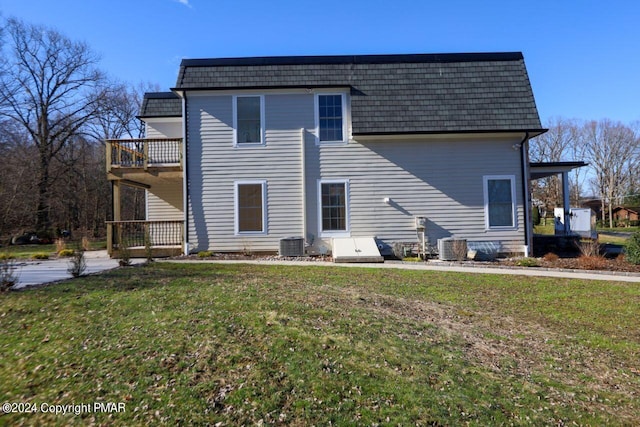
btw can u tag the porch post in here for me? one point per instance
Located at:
(116, 201)
(566, 204)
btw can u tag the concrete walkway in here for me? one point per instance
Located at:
(30, 273)
(442, 266)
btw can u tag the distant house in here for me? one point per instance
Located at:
(246, 152)
(626, 213)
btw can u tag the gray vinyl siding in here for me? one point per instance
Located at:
(441, 180)
(164, 203)
(164, 129)
(215, 165)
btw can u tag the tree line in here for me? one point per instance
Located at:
(56, 108)
(612, 151)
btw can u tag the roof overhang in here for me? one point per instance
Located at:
(391, 136)
(538, 170)
(157, 118)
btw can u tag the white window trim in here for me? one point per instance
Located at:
(262, 142)
(236, 212)
(345, 118)
(485, 182)
(341, 233)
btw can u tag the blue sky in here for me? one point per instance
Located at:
(583, 56)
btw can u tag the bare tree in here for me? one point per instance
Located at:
(118, 110)
(49, 85)
(117, 119)
(612, 151)
(17, 182)
(556, 145)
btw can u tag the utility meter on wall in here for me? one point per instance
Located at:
(421, 223)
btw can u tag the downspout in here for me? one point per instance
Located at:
(303, 180)
(528, 232)
(185, 174)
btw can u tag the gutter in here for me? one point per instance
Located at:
(524, 158)
(303, 180)
(185, 173)
(376, 135)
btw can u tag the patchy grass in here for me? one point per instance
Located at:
(612, 239)
(620, 229)
(547, 228)
(527, 262)
(28, 251)
(240, 344)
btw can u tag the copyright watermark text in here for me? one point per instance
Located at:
(76, 409)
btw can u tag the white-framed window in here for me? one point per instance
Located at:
(333, 207)
(331, 118)
(250, 200)
(500, 202)
(248, 120)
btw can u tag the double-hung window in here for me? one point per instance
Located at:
(331, 117)
(334, 207)
(248, 120)
(499, 201)
(250, 207)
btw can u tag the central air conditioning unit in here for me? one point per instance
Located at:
(451, 249)
(292, 246)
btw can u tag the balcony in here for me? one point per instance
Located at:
(142, 160)
(162, 238)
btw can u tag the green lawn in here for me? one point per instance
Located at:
(240, 344)
(603, 238)
(28, 251)
(544, 228)
(619, 229)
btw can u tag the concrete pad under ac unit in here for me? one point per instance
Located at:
(355, 249)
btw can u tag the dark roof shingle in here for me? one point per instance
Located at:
(393, 94)
(160, 104)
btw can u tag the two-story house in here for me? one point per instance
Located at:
(244, 152)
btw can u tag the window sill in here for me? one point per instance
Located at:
(331, 143)
(505, 228)
(249, 145)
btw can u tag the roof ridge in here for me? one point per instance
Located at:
(160, 95)
(354, 59)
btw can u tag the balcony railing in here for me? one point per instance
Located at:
(144, 153)
(143, 234)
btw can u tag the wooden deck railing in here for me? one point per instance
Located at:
(143, 234)
(144, 152)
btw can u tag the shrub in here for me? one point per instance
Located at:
(592, 262)
(205, 254)
(148, 248)
(6, 256)
(527, 262)
(124, 254)
(8, 276)
(77, 264)
(632, 251)
(61, 245)
(535, 215)
(40, 255)
(460, 249)
(550, 257)
(66, 252)
(589, 247)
